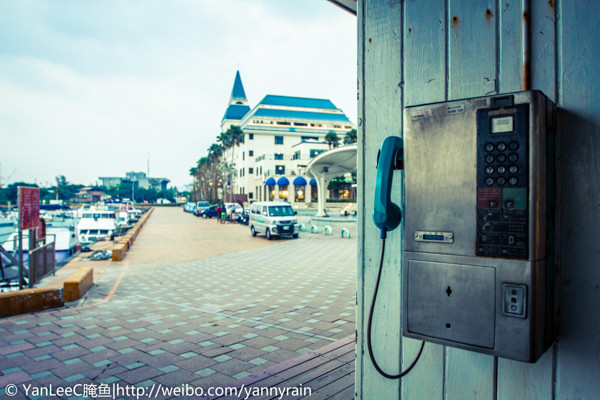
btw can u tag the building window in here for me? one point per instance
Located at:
(250, 153)
(278, 139)
(250, 170)
(297, 155)
(251, 136)
(314, 153)
(284, 123)
(243, 155)
(280, 170)
(251, 195)
(279, 156)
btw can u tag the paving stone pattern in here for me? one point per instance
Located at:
(204, 322)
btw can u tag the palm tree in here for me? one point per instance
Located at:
(350, 137)
(332, 139)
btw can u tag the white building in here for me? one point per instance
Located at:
(281, 135)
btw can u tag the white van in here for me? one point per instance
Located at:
(273, 218)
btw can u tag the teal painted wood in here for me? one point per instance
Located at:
(426, 380)
(510, 68)
(469, 375)
(380, 95)
(424, 52)
(472, 72)
(517, 380)
(484, 55)
(471, 49)
(578, 361)
(424, 63)
(543, 47)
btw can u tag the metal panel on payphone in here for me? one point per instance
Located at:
(477, 270)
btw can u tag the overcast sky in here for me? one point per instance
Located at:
(90, 88)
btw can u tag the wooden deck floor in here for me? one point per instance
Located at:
(326, 373)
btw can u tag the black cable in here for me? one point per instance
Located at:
(370, 323)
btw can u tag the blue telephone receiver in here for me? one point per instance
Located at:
(386, 214)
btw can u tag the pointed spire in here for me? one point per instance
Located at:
(238, 93)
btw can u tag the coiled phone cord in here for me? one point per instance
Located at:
(370, 323)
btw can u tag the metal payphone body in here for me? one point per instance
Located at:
(478, 269)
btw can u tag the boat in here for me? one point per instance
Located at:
(96, 223)
(61, 228)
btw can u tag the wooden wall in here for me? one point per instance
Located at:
(422, 51)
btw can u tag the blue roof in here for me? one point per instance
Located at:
(313, 116)
(238, 89)
(297, 102)
(236, 111)
(283, 181)
(299, 181)
(270, 182)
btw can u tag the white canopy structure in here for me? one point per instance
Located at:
(329, 165)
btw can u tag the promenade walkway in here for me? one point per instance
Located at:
(193, 305)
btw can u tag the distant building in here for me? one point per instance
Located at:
(281, 135)
(139, 179)
(87, 195)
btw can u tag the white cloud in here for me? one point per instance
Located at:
(89, 91)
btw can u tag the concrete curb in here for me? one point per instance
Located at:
(120, 249)
(74, 287)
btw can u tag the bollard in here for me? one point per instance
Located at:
(347, 231)
(314, 229)
(301, 228)
(327, 230)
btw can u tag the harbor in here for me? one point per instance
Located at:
(201, 304)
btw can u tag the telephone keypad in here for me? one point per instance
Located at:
(502, 193)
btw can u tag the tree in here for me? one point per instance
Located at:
(332, 139)
(350, 137)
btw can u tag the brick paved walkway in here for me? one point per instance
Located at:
(196, 303)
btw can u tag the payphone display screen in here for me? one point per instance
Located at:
(502, 181)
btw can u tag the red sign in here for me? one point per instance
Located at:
(29, 207)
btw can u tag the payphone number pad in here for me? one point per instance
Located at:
(502, 180)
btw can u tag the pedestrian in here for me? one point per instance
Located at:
(219, 214)
(223, 213)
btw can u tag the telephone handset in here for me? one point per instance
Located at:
(386, 214)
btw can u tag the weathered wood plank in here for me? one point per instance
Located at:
(346, 394)
(517, 380)
(578, 361)
(543, 47)
(471, 49)
(472, 72)
(469, 376)
(425, 381)
(511, 50)
(424, 52)
(425, 82)
(329, 384)
(380, 97)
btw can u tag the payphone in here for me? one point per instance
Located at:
(478, 268)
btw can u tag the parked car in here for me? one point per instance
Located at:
(210, 212)
(234, 208)
(273, 219)
(189, 207)
(201, 206)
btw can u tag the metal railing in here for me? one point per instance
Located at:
(41, 263)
